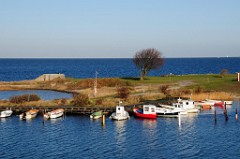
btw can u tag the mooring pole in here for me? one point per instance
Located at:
(103, 120)
(215, 116)
(236, 115)
(225, 112)
(179, 119)
(43, 117)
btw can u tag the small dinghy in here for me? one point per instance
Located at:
(54, 114)
(29, 114)
(6, 113)
(96, 115)
(120, 114)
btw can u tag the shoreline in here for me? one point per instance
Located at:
(187, 86)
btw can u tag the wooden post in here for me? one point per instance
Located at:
(43, 117)
(179, 119)
(215, 116)
(236, 115)
(225, 112)
(103, 120)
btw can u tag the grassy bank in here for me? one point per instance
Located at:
(198, 87)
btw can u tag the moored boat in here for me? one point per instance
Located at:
(96, 115)
(6, 113)
(148, 111)
(29, 114)
(165, 112)
(54, 114)
(120, 114)
(186, 105)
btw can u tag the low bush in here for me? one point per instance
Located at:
(123, 92)
(24, 98)
(198, 90)
(164, 89)
(80, 100)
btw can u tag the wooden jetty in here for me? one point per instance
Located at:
(84, 110)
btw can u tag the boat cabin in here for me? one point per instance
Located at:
(120, 110)
(186, 104)
(149, 109)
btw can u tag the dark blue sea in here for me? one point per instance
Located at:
(22, 69)
(80, 137)
(76, 136)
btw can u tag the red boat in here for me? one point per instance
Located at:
(148, 111)
(219, 104)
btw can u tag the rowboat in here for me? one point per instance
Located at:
(96, 115)
(54, 114)
(6, 113)
(148, 111)
(29, 114)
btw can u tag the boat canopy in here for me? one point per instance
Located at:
(149, 109)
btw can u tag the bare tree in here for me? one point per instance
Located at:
(148, 59)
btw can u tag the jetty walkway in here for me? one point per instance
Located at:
(84, 110)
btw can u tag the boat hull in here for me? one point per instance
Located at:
(6, 113)
(115, 116)
(54, 114)
(138, 113)
(96, 115)
(29, 114)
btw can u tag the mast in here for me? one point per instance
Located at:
(95, 85)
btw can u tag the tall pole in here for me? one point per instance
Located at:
(95, 85)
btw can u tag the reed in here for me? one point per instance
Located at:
(210, 95)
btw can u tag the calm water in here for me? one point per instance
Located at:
(44, 94)
(80, 137)
(21, 69)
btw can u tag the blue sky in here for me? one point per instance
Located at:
(108, 28)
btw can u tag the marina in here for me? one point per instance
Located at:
(66, 137)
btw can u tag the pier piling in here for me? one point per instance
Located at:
(179, 119)
(215, 116)
(225, 112)
(103, 120)
(236, 115)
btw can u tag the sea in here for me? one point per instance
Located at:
(77, 136)
(27, 69)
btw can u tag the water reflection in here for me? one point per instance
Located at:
(57, 120)
(149, 123)
(120, 129)
(3, 120)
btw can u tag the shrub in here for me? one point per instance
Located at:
(99, 101)
(164, 89)
(223, 72)
(185, 91)
(24, 98)
(80, 100)
(123, 92)
(198, 90)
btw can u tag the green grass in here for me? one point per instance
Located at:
(209, 82)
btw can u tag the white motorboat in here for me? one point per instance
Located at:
(174, 108)
(29, 114)
(54, 114)
(186, 105)
(120, 113)
(6, 113)
(182, 106)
